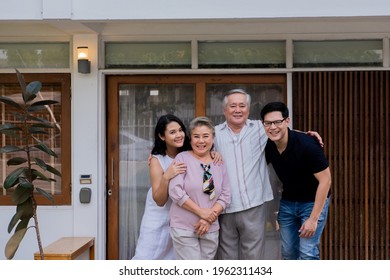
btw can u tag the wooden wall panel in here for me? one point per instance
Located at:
(351, 110)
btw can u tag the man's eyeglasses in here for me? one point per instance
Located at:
(276, 123)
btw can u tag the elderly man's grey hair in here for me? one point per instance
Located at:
(233, 91)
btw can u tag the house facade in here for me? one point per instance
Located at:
(328, 61)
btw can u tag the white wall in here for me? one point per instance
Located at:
(182, 9)
(87, 150)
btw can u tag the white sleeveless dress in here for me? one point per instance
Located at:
(154, 242)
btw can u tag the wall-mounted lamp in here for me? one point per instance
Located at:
(83, 64)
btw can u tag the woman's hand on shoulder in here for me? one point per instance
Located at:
(174, 169)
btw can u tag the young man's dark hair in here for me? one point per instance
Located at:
(274, 106)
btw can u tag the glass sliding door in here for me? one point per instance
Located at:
(134, 105)
(140, 106)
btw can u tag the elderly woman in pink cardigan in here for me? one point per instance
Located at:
(198, 196)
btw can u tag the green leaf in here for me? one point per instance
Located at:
(22, 224)
(37, 130)
(8, 126)
(53, 170)
(15, 218)
(44, 102)
(40, 175)
(41, 105)
(41, 163)
(34, 118)
(47, 167)
(22, 83)
(23, 182)
(13, 178)
(10, 102)
(33, 177)
(16, 161)
(34, 87)
(10, 149)
(45, 194)
(43, 124)
(26, 209)
(13, 243)
(31, 90)
(41, 146)
(12, 133)
(21, 194)
(20, 117)
(36, 109)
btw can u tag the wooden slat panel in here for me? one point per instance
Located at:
(351, 110)
(385, 134)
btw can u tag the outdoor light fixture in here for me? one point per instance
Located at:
(83, 64)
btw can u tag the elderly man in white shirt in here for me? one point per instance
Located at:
(241, 143)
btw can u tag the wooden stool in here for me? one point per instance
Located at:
(68, 248)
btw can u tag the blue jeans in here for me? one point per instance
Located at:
(290, 217)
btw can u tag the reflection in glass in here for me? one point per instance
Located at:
(244, 54)
(147, 55)
(338, 53)
(34, 55)
(140, 106)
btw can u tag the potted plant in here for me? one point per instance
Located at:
(27, 168)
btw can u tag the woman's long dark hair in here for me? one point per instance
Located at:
(160, 147)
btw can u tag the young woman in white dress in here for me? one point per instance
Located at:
(170, 138)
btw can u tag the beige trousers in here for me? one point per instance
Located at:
(189, 246)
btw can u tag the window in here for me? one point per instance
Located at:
(246, 54)
(34, 55)
(148, 55)
(342, 53)
(56, 87)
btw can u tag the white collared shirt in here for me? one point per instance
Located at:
(244, 157)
